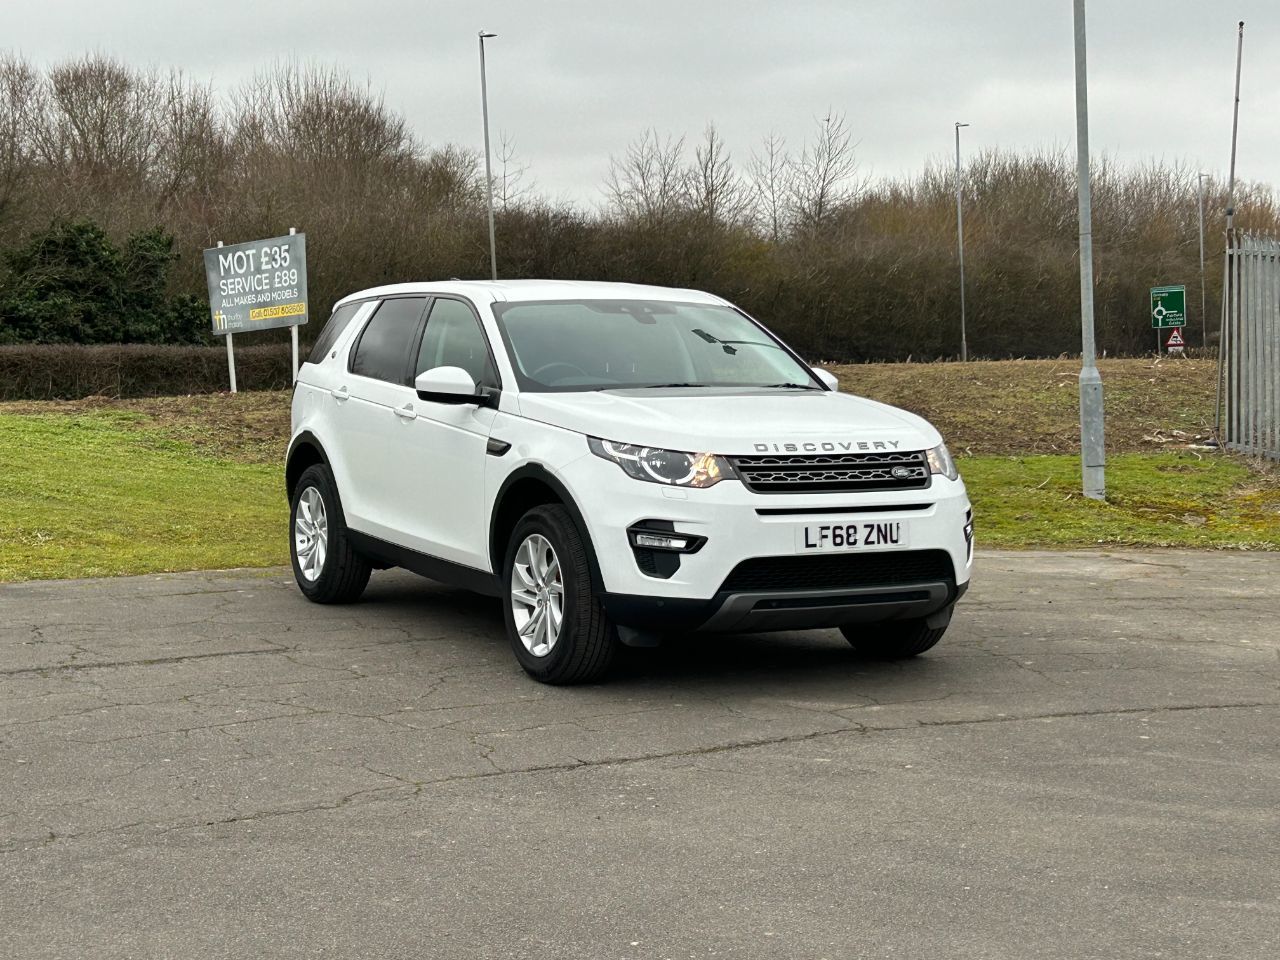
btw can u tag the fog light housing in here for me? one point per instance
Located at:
(661, 535)
(659, 541)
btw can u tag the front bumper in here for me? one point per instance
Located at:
(739, 525)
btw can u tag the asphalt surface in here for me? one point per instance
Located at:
(205, 765)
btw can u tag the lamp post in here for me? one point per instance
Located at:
(1204, 317)
(964, 340)
(1093, 457)
(488, 162)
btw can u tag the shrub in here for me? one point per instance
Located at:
(70, 284)
(70, 372)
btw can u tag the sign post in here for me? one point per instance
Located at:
(1168, 309)
(258, 285)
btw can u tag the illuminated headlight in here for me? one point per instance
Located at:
(940, 462)
(670, 467)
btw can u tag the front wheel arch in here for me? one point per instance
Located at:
(533, 485)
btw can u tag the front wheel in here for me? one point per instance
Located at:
(557, 627)
(897, 639)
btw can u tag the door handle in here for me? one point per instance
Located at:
(341, 393)
(406, 412)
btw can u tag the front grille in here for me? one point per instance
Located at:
(838, 571)
(834, 472)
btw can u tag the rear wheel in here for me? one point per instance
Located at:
(326, 566)
(557, 627)
(897, 639)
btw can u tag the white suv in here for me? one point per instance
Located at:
(616, 462)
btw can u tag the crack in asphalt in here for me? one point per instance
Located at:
(151, 662)
(416, 788)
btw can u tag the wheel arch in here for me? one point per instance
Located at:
(526, 487)
(305, 450)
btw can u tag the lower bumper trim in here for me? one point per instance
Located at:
(759, 611)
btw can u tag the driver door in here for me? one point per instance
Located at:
(441, 476)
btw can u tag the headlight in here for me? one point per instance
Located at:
(671, 467)
(940, 462)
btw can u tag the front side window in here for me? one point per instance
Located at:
(453, 338)
(383, 350)
(579, 345)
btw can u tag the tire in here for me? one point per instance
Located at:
(584, 645)
(339, 574)
(897, 639)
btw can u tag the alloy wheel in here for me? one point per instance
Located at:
(537, 595)
(311, 534)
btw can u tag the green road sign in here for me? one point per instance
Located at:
(1168, 307)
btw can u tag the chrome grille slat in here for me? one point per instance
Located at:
(780, 473)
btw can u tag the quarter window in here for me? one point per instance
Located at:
(332, 331)
(454, 339)
(384, 347)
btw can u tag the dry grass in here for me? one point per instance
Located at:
(1007, 407)
(1032, 406)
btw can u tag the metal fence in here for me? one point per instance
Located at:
(1249, 383)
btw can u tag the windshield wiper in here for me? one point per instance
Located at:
(659, 386)
(787, 386)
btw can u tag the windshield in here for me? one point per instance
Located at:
(577, 345)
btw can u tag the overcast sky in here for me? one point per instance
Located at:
(572, 82)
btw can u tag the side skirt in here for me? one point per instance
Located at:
(433, 568)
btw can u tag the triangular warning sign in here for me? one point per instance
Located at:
(1175, 339)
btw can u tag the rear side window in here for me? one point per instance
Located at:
(332, 331)
(454, 339)
(384, 347)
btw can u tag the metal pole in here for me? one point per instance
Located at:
(1235, 126)
(231, 357)
(1204, 316)
(1092, 445)
(1227, 289)
(293, 330)
(964, 340)
(488, 163)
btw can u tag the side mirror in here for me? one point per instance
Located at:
(827, 378)
(447, 385)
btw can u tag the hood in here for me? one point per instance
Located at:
(734, 422)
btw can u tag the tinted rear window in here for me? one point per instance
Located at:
(332, 331)
(385, 344)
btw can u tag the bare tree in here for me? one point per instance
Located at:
(509, 185)
(18, 91)
(649, 182)
(770, 185)
(99, 120)
(717, 191)
(193, 150)
(824, 177)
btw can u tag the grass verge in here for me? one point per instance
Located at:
(108, 491)
(93, 495)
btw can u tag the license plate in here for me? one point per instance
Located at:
(863, 535)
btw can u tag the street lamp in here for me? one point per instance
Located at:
(1093, 455)
(1204, 318)
(964, 340)
(488, 162)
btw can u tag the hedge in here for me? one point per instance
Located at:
(70, 372)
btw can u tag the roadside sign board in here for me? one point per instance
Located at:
(1175, 343)
(1168, 306)
(257, 285)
